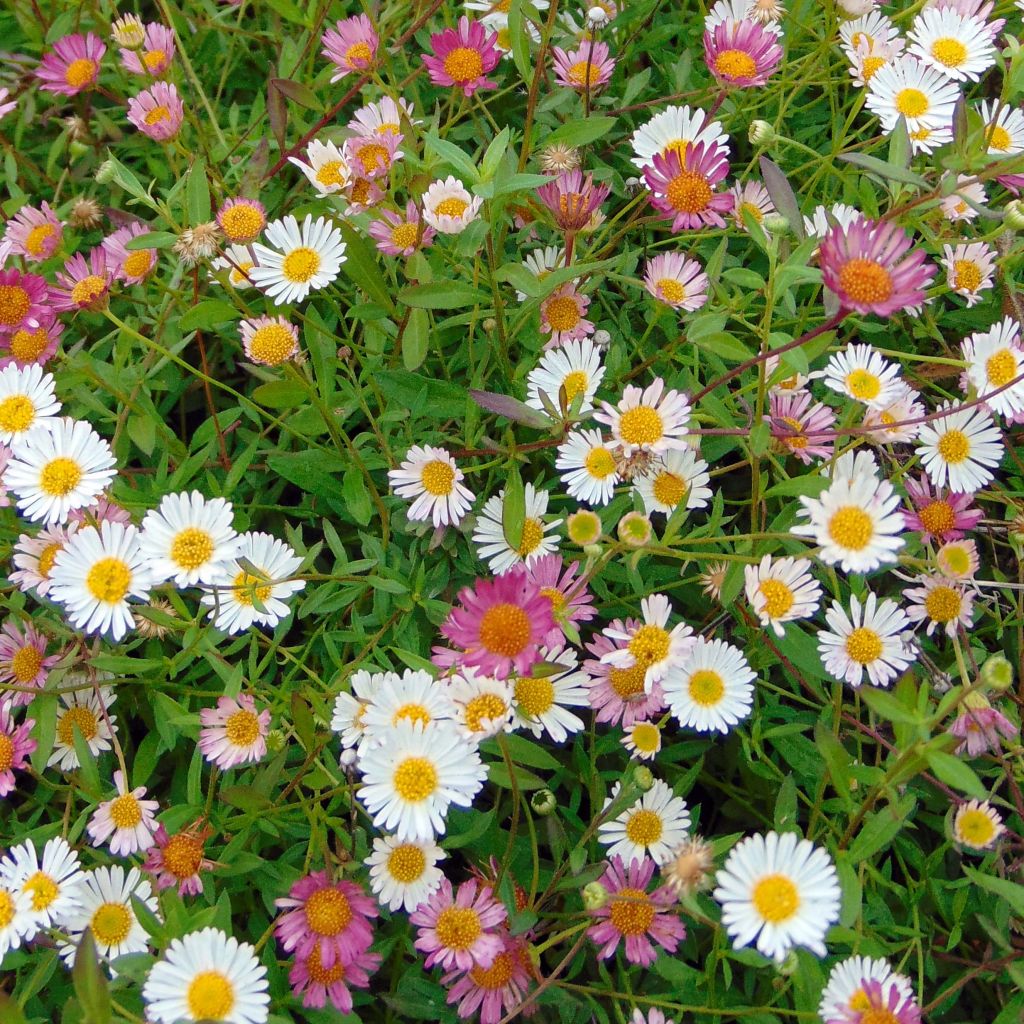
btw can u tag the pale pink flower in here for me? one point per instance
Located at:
(16, 746)
(157, 111)
(34, 232)
(233, 733)
(350, 46)
(126, 821)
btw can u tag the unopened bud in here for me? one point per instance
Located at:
(584, 527)
(543, 802)
(1013, 215)
(597, 17)
(592, 550)
(775, 224)
(761, 133)
(490, 325)
(602, 339)
(78, 149)
(997, 673)
(595, 896)
(275, 741)
(348, 758)
(105, 173)
(643, 777)
(635, 529)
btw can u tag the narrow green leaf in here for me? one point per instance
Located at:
(442, 295)
(1006, 890)
(880, 828)
(513, 509)
(954, 772)
(884, 169)
(416, 339)
(206, 314)
(90, 982)
(580, 132)
(197, 194)
(362, 267)
(452, 155)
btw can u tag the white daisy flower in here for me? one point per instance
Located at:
(678, 478)
(711, 688)
(725, 11)
(88, 711)
(969, 269)
(977, 825)
(52, 882)
(924, 96)
(960, 450)
(540, 263)
(303, 259)
(774, 367)
(573, 368)
(994, 359)
(95, 574)
(448, 206)
(26, 401)
(651, 419)
(650, 644)
(325, 167)
(823, 218)
(489, 532)
(779, 890)
(1004, 128)
(106, 910)
(411, 779)
(673, 130)
(16, 918)
(856, 462)
(869, 639)
(888, 420)
(957, 45)
(652, 827)
(956, 207)
(782, 590)
(873, 28)
(844, 993)
(642, 740)
(540, 702)
(867, 59)
(863, 374)
(237, 260)
(404, 874)
(588, 467)
(753, 198)
(58, 468)
(350, 708)
(414, 697)
(498, 22)
(189, 539)
(940, 602)
(207, 976)
(430, 478)
(483, 704)
(33, 557)
(234, 607)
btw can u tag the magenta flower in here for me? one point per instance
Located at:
(496, 990)
(499, 627)
(618, 695)
(677, 281)
(563, 316)
(884, 1001)
(400, 236)
(939, 514)
(458, 930)
(34, 233)
(463, 57)
(573, 199)
(178, 859)
(233, 733)
(683, 188)
(803, 429)
(635, 915)
(979, 728)
(73, 65)
(371, 156)
(156, 55)
(741, 54)
(23, 660)
(866, 265)
(334, 915)
(571, 601)
(157, 111)
(126, 820)
(350, 46)
(24, 301)
(82, 284)
(317, 983)
(129, 265)
(589, 67)
(242, 220)
(16, 746)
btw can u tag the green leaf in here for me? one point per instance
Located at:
(513, 509)
(580, 132)
(142, 430)
(812, 486)
(206, 314)
(499, 775)
(452, 155)
(836, 758)
(10, 1011)
(197, 194)
(954, 772)
(724, 345)
(362, 268)
(280, 394)
(495, 153)
(886, 706)
(510, 183)
(441, 399)
(152, 240)
(315, 471)
(90, 982)
(785, 806)
(883, 169)
(302, 719)
(524, 751)
(1006, 890)
(416, 339)
(511, 409)
(879, 829)
(297, 93)
(442, 295)
(357, 497)
(782, 195)
(245, 798)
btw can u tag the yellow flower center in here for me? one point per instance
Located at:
(47, 558)
(157, 114)
(497, 976)
(6, 908)
(458, 927)
(358, 55)
(125, 811)
(641, 425)
(28, 346)
(14, 304)
(237, 273)
(404, 235)
(955, 559)
(870, 66)
(138, 263)
(966, 276)
(487, 707)
(776, 899)
(43, 890)
(865, 281)
(669, 489)
(59, 477)
(451, 207)
(911, 102)
(631, 912)
(562, 313)
(415, 779)
(735, 64)
(1001, 368)
(25, 664)
(191, 548)
(863, 385)
(109, 579)
(111, 924)
(575, 383)
(584, 74)
(321, 975)
(359, 193)
(878, 1015)
(851, 528)
(415, 713)
(688, 192)
(330, 174)
(37, 238)
(16, 414)
(943, 604)
(778, 598)
(88, 290)
(210, 996)
(272, 344)
(246, 586)
(671, 290)
(82, 718)
(998, 138)
(954, 447)
(863, 646)
(644, 827)
(406, 863)
(183, 856)
(372, 156)
(154, 59)
(242, 728)
(627, 682)
(6, 763)
(243, 222)
(646, 738)
(600, 464)
(937, 517)
(80, 72)
(463, 64)
(438, 478)
(975, 827)
(533, 534)
(949, 52)
(706, 687)
(301, 265)
(328, 912)
(649, 645)
(504, 629)
(534, 696)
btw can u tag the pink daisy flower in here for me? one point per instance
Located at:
(317, 983)
(880, 1001)
(362, 194)
(573, 199)
(684, 188)
(589, 67)
(24, 301)
(563, 316)
(269, 340)
(401, 236)
(156, 54)
(742, 53)
(16, 746)
(618, 695)
(677, 281)
(126, 820)
(242, 220)
(571, 601)
(801, 428)
(979, 727)
(635, 915)
(157, 111)
(73, 65)
(233, 733)
(34, 233)
(332, 915)
(82, 285)
(496, 990)
(33, 558)
(129, 265)
(458, 929)
(383, 117)
(867, 266)
(371, 156)
(27, 345)
(104, 510)
(23, 660)
(350, 46)
(178, 859)
(463, 56)
(499, 627)
(938, 514)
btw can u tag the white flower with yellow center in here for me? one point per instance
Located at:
(52, 883)
(652, 827)
(650, 419)
(995, 359)
(821, 222)
(404, 874)
(540, 702)
(26, 401)
(711, 688)
(414, 697)
(960, 450)
(493, 545)
(977, 825)
(237, 260)
(411, 779)
(873, 28)
(844, 995)
(868, 640)
(189, 539)
(350, 708)
(867, 59)
(16, 918)
(96, 573)
(58, 468)
(448, 207)
(970, 268)
(569, 372)
(588, 467)
(957, 45)
(483, 704)
(106, 910)
(643, 741)
(863, 374)
(325, 167)
(906, 87)
(940, 602)
(673, 131)
(677, 479)
(255, 592)
(304, 258)
(1004, 128)
(650, 644)
(207, 976)
(781, 590)
(540, 263)
(430, 478)
(779, 890)
(86, 711)
(896, 422)
(856, 521)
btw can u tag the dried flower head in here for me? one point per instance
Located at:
(148, 627)
(85, 214)
(557, 158)
(198, 243)
(689, 869)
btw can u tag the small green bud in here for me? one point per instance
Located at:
(790, 965)
(643, 777)
(761, 133)
(584, 527)
(543, 802)
(595, 896)
(1013, 215)
(275, 741)
(997, 673)
(635, 530)
(105, 173)
(775, 224)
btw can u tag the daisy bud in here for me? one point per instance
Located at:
(775, 224)
(105, 173)
(584, 527)
(635, 530)
(597, 17)
(602, 339)
(77, 149)
(761, 133)
(128, 31)
(644, 778)
(275, 741)
(592, 550)
(490, 325)
(1013, 215)
(634, 186)
(595, 896)
(997, 673)
(543, 802)
(348, 757)
(85, 213)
